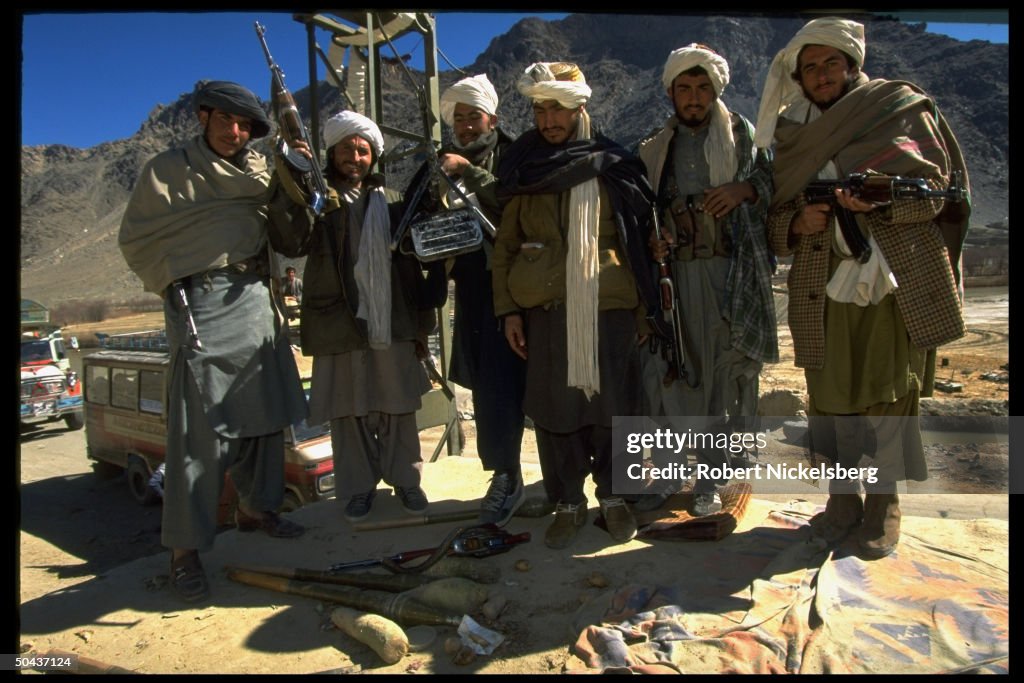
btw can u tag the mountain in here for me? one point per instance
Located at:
(72, 199)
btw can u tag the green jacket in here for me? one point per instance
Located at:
(329, 323)
(531, 249)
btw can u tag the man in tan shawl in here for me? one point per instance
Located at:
(566, 282)
(864, 332)
(196, 224)
(713, 191)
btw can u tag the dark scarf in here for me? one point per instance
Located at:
(531, 165)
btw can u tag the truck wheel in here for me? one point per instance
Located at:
(74, 421)
(138, 482)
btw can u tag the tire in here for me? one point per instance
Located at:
(74, 421)
(138, 482)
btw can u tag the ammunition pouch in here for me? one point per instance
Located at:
(698, 234)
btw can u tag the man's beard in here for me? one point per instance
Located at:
(691, 122)
(842, 93)
(477, 150)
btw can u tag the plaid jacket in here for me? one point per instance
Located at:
(912, 245)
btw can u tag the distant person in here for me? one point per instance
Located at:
(865, 333)
(713, 192)
(575, 221)
(481, 359)
(292, 286)
(365, 322)
(196, 222)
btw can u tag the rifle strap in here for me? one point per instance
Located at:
(440, 552)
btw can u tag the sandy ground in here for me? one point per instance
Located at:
(124, 615)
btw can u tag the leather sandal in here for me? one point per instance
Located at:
(187, 579)
(271, 523)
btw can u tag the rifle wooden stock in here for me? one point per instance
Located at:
(392, 583)
(418, 520)
(398, 607)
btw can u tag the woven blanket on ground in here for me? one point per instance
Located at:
(769, 602)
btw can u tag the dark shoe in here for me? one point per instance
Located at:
(569, 519)
(843, 513)
(188, 580)
(414, 501)
(504, 496)
(654, 496)
(271, 523)
(880, 531)
(619, 519)
(359, 505)
(705, 504)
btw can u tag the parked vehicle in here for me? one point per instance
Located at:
(50, 390)
(126, 428)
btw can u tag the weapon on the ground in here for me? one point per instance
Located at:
(293, 130)
(880, 189)
(533, 507)
(476, 541)
(190, 324)
(391, 583)
(399, 607)
(677, 350)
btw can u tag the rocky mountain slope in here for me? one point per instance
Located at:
(72, 199)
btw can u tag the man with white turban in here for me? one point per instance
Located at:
(481, 359)
(576, 219)
(713, 192)
(364, 321)
(865, 333)
(196, 224)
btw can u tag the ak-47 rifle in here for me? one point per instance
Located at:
(292, 131)
(880, 189)
(477, 541)
(676, 350)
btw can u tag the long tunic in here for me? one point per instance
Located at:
(361, 381)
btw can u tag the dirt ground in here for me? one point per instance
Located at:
(92, 577)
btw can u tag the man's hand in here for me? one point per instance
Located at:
(857, 205)
(302, 148)
(515, 335)
(813, 218)
(659, 247)
(720, 200)
(453, 164)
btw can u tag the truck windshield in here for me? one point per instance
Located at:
(33, 351)
(305, 432)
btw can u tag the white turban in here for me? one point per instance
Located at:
(475, 91)
(347, 123)
(685, 58)
(539, 83)
(780, 90)
(720, 145)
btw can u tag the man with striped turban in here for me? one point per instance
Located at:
(713, 192)
(481, 359)
(865, 333)
(364, 321)
(576, 218)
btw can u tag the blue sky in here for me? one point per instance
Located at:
(92, 78)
